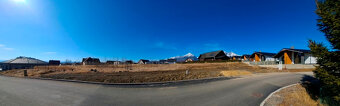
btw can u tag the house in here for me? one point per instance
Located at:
(90, 61)
(143, 61)
(21, 63)
(54, 62)
(152, 62)
(128, 62)
(162, 61)
(295, 56)
(212, 56)
(171, 61)
(189, 60)
(236, 57)
(113, 62)
(262, 56)
(246, 57)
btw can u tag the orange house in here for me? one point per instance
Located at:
(246, 57)
(262, 56)
(295, 56)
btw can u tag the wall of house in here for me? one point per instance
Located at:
(270, 59)
(309, 59)
(257, 58)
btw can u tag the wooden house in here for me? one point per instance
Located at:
(212, 56)
(90, 61)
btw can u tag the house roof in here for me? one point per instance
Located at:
(263, 53)
(143, 60)
(25, 60)
(293, 50)
(247, 55)
(210, 54)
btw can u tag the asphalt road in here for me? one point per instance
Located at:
(246, 91)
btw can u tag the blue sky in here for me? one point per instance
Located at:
(152, 29)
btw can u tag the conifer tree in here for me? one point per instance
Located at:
(328, 71)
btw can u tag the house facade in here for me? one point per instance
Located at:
(262, 56)
(295, 56)
(245, 57)
(143, 61)
(91, 61)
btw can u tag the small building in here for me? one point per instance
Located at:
(295, 56)
(236, 57)
(128, 62)
(212, 56)
(54, 62)
(246, 57)
(262, 56)
(21, 63)
(143, 61)
(90, 61)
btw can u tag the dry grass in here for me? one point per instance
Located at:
(296, 96)
(142, 72)
(232, 73)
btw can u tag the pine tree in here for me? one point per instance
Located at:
(328, 71)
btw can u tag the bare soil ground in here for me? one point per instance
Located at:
(139, 73)
(292, 96)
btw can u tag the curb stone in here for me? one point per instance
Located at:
(271, 94)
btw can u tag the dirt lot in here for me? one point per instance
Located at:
(137, 73)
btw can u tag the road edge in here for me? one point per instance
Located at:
(271, 94)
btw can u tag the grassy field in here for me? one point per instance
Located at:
(138, 73)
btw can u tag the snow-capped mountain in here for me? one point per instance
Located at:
(185, 57)
(230, 54)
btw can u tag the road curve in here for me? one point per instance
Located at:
(246, 91)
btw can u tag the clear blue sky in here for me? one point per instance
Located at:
(152, 29)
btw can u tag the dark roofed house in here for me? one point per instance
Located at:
(212, 56)
(21, 63)
(113, 62)
(143, 61)
(245, 57)
(236, 57)
(91, 61)
(162, 61)
(54, 62)
(128, 62)
(262, 56)
(295, 56)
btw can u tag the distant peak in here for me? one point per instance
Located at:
(189, 54)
